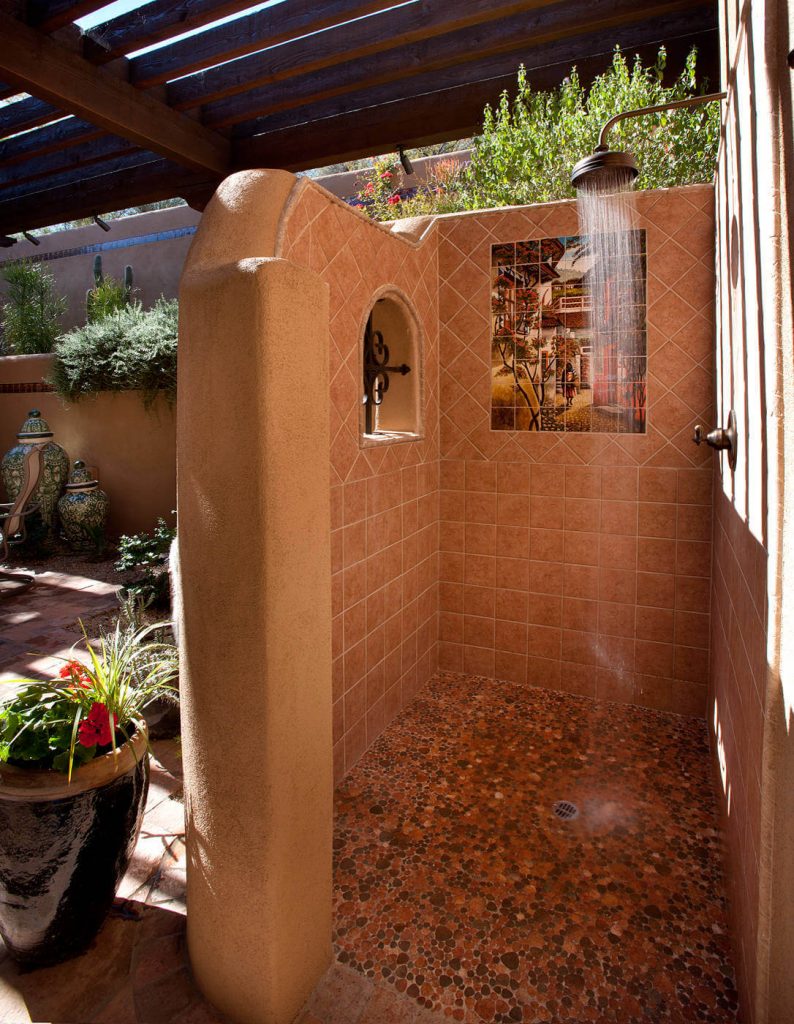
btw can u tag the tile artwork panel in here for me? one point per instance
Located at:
(551, 367)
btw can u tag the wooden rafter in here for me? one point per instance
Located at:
(22, 115)
(113, 163)
(531, 32)
(564, 52)
(49, 15)
(433, 117)
(262, 29)
(58, 137)
(152, 23)
(76, 158)
(146, 183)
(166, 18)
(41, 66)
(364, 40)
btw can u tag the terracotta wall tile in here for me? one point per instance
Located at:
(551, 560)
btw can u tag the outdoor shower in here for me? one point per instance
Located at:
(604, 183)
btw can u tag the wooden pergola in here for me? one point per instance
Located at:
(297, 84)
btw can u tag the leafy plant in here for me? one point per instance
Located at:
(529, 146)
(147, 554)
(32, 312)
(130, 349)
(108, 295)
(377, 193)
(91, 707)
(530, 143)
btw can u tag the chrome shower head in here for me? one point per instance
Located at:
(608, 166)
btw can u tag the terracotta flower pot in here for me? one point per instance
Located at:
(64, 848)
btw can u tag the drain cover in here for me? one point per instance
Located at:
(565, 810)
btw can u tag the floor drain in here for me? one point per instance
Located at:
(565, 810)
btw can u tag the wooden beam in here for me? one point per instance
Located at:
(101, 193)
(434, 117)
(69, 132)
(73, 175)
(266, 28)
(366, 41)
(59, 161)
(534, 31)
(24, 114)
(7, 90)
(49, 15)
(152, 23)
(40, 66)
(166, 18)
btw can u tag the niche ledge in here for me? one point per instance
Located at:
(383, 437)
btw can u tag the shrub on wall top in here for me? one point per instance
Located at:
(530, 143)
(32, 311)
(131, 349)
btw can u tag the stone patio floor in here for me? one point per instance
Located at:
(458, 895)
(38, 626)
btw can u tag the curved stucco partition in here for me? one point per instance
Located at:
(255, 598)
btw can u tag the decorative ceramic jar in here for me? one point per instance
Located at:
(83, 510)
(36, 431)
(64, 848)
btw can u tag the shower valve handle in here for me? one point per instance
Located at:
(721, 438)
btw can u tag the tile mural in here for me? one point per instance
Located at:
(549, 371)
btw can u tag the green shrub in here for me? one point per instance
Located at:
(129, 349)
(32, 312)
(529, 145)
(147, 554)
(106, 297)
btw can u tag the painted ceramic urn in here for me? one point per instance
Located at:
(83, 510)
(36, 431)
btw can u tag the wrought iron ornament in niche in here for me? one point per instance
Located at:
(376, 373)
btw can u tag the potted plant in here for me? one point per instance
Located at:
(74, 774)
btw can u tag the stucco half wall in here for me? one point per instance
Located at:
(254, 573)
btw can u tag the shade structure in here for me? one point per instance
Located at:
(168, 98)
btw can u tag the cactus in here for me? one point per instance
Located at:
(108, 295)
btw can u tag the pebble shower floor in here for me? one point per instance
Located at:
(456, 883)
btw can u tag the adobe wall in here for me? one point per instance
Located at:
(132, 448)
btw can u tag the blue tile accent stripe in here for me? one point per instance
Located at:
(116, 243)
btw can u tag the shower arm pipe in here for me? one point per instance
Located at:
(691, 101)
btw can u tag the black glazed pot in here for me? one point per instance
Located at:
(64, 848)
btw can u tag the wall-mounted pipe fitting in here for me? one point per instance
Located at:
(721, 438)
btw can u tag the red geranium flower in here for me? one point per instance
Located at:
(76, 671)
(393, 200)
(385, 175)
(369, 188)
(95, 729)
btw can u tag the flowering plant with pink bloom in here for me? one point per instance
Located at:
(378, 194)
(92, 706)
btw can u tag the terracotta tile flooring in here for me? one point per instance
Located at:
(38, 625)
(459, 895)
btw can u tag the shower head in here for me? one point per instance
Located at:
(608, 166)
(616, 167)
